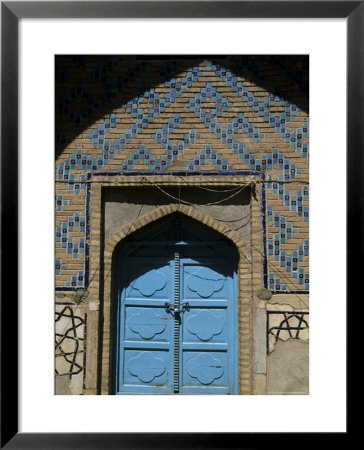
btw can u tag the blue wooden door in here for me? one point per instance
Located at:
(176, 312)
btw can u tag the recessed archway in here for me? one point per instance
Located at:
(243, 287)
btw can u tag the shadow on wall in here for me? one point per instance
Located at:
(197, 196)
(125, 205)
(162, 231)
(99, 85)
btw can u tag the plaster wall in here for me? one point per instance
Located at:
(288, 368)
(123, 206)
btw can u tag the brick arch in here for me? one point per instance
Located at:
(164, 211)
(244, 285)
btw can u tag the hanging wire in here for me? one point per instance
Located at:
(242, 226)
(210, 189)
(136, 218)
(217, 190)
(179, 200)
(235, 220)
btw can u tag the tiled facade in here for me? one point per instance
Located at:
(228, 121)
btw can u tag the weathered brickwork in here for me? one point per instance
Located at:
(227, 120)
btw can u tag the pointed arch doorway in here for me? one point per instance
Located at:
(175, 314)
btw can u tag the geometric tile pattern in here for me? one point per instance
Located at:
(286, 325)
(122, 114)
(70, 341)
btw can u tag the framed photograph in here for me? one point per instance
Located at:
(163, 195)
(182, 155)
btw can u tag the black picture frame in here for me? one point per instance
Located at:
(11, 12)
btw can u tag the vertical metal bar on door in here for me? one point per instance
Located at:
(176, 306)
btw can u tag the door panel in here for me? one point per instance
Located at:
(147, 280)
(146, 371)
(146, 325)
(207, 345)
(204, 281)
(145, 329)
(205, 372)
(205, 325)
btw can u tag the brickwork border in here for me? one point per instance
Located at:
(250, 268)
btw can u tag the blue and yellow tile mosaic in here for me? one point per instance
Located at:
(238, 113)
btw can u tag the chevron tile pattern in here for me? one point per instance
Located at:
(223, 114)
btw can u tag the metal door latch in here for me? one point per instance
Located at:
(174, 310)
